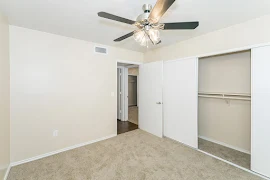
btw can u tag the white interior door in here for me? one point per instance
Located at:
(150, 98)
(125, 93)
(118, 93)
(122, 93)
(260, 115)
(180, 99)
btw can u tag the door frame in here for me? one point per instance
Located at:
(124, 103)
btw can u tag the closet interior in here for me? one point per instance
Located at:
(224, 106)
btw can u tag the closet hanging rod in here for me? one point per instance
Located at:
(225, 94)
(226, 98)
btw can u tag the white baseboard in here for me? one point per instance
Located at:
(59, 151)
(7, 172)
(224, 144)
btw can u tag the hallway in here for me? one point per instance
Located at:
(133, 114)
(125, 126)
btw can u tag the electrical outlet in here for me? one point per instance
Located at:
(55, 133)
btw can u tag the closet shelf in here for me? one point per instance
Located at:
(226, 96)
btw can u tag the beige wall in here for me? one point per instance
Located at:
(4, 97)
(133, 71)
(219, 121)
(252, 32)
(59, 83)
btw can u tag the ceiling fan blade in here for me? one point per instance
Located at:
(124, 37)
(159, 9)
(115, 18)
(181, 25)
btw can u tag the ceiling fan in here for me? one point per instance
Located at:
(148, 25)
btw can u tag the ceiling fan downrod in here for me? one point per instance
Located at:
(146, 9)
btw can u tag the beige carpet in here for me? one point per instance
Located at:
(135, 155)
(236, 157)
(133, 114)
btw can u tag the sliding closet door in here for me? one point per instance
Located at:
(180, 98)
(260, 132)
(150, 98)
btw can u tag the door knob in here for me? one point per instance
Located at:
(158, 102)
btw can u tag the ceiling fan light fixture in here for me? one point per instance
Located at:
(141, 37)
(144, 41)
(148, 24)
(138, 36)
(154, 35)
(144, 37)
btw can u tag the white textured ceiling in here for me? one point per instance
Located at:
(78, 18)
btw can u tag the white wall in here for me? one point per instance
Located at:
(59, 83)
(219, 121)
(4, 97)
(252, 32)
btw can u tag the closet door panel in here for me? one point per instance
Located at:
(181, 101)
(260, 133)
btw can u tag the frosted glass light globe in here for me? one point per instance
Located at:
(154, 35)
(139, 36)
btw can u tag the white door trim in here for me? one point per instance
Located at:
(129, 62)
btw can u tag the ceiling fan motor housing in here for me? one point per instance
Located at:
(146, 9)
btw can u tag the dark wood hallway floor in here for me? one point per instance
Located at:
(125, 126)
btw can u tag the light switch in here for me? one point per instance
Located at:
(55, 133)
(112, 94)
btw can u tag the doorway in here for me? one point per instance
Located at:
(127, 97)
